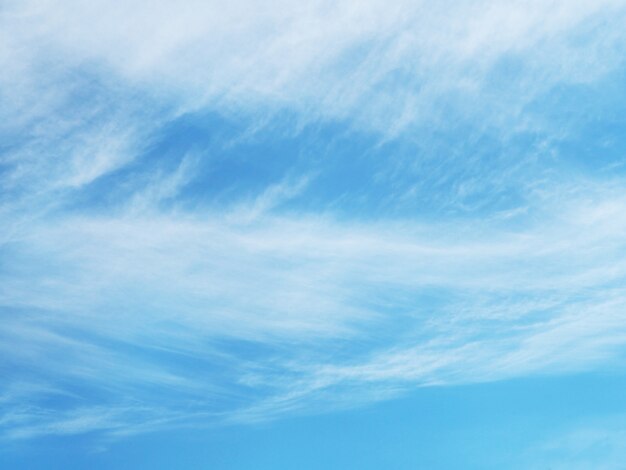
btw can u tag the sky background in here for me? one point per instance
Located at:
(313, 234)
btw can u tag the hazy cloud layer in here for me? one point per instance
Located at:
(145, 282)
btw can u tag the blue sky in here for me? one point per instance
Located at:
(323, 235)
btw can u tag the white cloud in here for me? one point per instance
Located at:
(383, 66)
(246, 312)
(141, 290)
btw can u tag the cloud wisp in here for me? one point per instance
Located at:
(269, 315)
(160, 269)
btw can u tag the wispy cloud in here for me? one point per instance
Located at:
(288, 309)
(383, 66)
(597, 443)
(134, 294)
